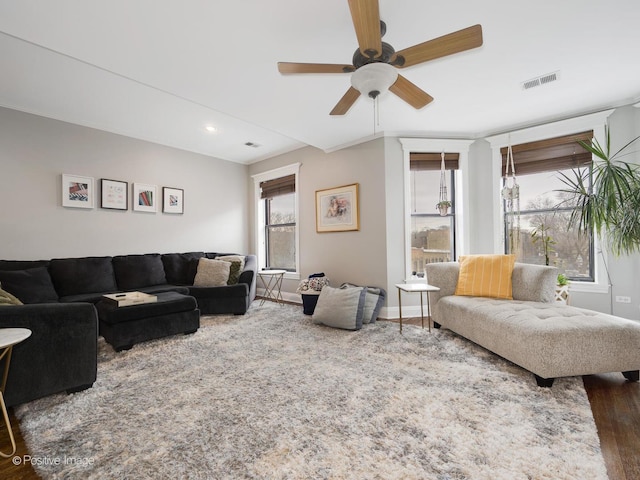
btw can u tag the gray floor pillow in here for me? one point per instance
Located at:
(340, 307)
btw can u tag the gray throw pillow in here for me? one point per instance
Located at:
(212, 273)
(340, 308)
(374, 299)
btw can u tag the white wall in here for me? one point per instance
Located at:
(36, 151)
(624, 271)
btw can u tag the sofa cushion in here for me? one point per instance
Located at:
(73, 276)
(180, 268)
(33, 285)
(137, 271)
(212, 273)
(486, 276)
(340, 307)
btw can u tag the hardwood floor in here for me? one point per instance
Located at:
(614, 401)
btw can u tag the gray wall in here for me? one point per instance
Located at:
(359, 256)
(36, 151)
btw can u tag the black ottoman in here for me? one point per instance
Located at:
(123, 327)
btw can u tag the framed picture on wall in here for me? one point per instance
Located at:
(77, 191)
(337, 209)
(144, 197)
(114, 194)
(172, 200)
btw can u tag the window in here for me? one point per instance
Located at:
(276, 219)
(432, 235)
(280, 230)
(544, 212)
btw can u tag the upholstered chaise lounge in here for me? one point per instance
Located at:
(533, 331)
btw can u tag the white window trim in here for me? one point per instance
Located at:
(462, 188)
(293, 169)
(595, 122)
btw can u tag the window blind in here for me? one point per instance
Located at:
(559, 153)
(278, 186)
(432, 160)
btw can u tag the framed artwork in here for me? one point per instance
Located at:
(144, 198)
(77, 191)
(114, 194)
(172, 200)
(337, 209)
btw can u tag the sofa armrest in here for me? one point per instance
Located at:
(248, 275)
(60, 354)
(535, 283)
(444, 276)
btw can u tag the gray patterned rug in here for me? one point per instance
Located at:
(269, 395)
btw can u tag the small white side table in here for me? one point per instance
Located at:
(272, 282)
(8, 338)
(416, 287)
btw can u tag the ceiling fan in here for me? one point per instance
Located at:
(375, 59)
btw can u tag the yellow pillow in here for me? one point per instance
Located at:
(486, 276)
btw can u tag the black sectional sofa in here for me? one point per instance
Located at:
(60, 298)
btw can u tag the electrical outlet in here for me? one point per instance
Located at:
(621, 299)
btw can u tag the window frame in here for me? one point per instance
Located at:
(461, 147)
(595, 122)
(261, 211)
(592, 239)
(452, 215)
(268, 226)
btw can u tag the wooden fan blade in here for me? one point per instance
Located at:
(289, 67)
(455, 42)
(346, 102)
(410, 93)
(366, 21)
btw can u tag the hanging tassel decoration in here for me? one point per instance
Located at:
(443, 201)
(511, 195)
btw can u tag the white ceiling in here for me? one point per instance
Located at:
(161, 70)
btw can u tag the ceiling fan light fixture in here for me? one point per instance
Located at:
(373, 79)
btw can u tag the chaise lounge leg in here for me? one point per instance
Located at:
(436, 325)
(632, 375)
(544, 382)
(79, 389)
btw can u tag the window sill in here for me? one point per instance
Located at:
(292, 276)
(588, 287)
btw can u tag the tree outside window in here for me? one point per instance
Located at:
(544, 234)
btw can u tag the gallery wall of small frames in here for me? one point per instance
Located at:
(80, 192)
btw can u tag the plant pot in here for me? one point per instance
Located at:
(444, 210)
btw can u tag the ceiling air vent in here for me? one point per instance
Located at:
(541, 80)
(251, 144)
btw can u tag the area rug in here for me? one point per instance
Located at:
(270, 395)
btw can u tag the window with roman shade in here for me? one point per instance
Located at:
(279, 197)
(432, 235)
(545, 210)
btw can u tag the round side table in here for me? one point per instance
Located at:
(8, 338)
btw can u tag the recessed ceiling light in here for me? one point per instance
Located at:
(210, 128)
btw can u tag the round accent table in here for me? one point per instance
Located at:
(8, 338)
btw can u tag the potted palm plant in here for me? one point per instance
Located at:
(611, 206)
